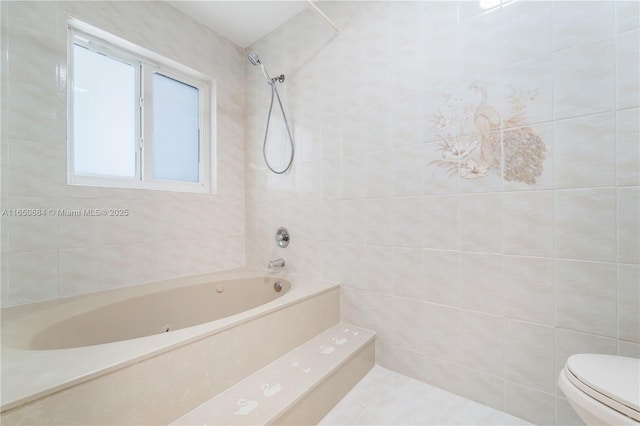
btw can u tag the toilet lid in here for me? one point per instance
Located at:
(612, 380)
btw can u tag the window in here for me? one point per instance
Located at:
(175, 113)
(136, 120)
(104, 115)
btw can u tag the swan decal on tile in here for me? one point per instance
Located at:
(306, 370)
(294, 363)
(269, 391)
(345, 330)
(246, 406)
(491, 143)
(355, 333)
(326, 350)
(339, 340)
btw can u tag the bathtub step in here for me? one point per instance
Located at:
(298, 388)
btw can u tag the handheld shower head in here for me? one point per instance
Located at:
(253, 58)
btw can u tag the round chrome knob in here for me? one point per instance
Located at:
(282, 237)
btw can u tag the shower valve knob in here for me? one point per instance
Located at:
(282, 237)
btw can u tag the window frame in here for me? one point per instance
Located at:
(146, 64)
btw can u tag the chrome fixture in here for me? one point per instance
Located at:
(253, 58)
(277, 286)
(282, 237)
(277, 263)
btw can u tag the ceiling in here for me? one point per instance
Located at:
(242, 22)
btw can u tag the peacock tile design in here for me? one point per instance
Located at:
(477, 140)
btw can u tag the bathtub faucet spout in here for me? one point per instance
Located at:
(278, 263)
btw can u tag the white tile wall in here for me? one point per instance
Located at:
(529, 355)
(524, 402)
(629, 303)
(443, 277)
(583, 85)
(585, 224)
(581, 22)
(529, 30)
(441, 339)
(441, 222)
(578, 163)
(628, 208)
(481, 221)
(628, 150)
(492, 282)
(481, 279)
(586, 296)
(481, 342)
(528, 223)
(529, 290)
(166, 234)
(408, 273)
(627, 69)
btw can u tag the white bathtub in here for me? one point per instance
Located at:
(108, 358)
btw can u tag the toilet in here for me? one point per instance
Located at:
(603, 389)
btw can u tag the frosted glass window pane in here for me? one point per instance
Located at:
(104, 112)
(176, 146)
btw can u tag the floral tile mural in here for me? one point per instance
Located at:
(478, 140)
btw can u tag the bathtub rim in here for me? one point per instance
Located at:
(19, 388)
(39, 317)
(108, 296)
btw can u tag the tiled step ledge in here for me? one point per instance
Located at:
(298, 388)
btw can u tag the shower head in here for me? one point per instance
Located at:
(253, 58)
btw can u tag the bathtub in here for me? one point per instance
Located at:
(147, 354)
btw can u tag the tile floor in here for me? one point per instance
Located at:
(384, 397)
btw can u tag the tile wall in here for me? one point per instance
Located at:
(472, 178)
(167, 234)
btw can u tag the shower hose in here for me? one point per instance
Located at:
(274, 93)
